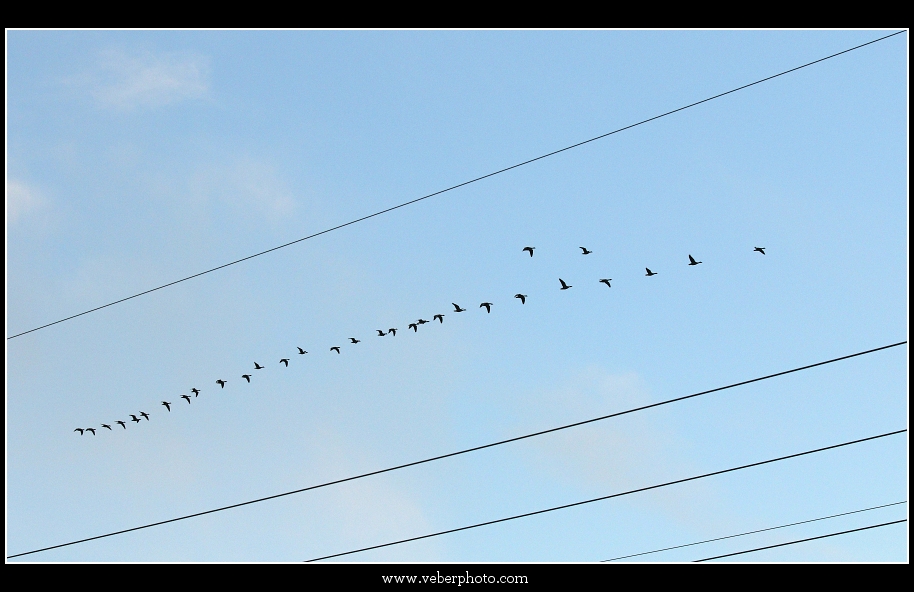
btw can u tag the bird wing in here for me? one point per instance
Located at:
(691, 259)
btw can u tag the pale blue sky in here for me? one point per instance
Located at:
(136, 158)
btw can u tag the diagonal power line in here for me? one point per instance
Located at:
(733, 536)
(824, 536)
(606, 497)
(457, 453)
(463, 184)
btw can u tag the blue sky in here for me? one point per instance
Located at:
(137, 158)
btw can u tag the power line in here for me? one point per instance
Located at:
(753, 532)
(824, 536)
(457, 453)
(605, 497)
(463, 184)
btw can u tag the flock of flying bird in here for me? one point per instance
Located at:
(381, 333)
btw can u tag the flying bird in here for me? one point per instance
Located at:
(122, 424)
(439, 317)
(80, 430)
(186, 398)
(221, 383)
(354, 340)
(564, 285)
(692, 261)
(457, 308)
(134, 418)
(380, 333)
(91, 430)
(421, 322)
(606, 281)
(104, 425)
(301, 351)
(529, 250)
(144, 414)
(414, 327)
(523, 298)
(336, 348)
(167, 405)
(195, 391)
(284, 361)
(649, 272)
(257, 366)
(760, 249)
(392, 332)
(246, 377)
(488, 306)
(585, 251)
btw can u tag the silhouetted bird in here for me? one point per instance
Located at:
(760, 249)
(607, 282)
(440, 318)
(134, 418)
(421, 322)
(585, 251)
(414, 327)
(692, 261)
(80, 430)
(457, 308)
(284, 361)
(91, 430)
(257, 366)
(649, 272)
(122, 424)
(186, 398)
(529, 250)
(354, 340)
(392, 332)
(104, 425)
(167, 405)
(523, 298)
(144, 414)
(246, 377)
(380, 333)
(335, 348)
(221, 383)
(195, 391)
(564, 285)
(488, 306)
(301, 351)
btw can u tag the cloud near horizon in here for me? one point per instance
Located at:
(21, 199)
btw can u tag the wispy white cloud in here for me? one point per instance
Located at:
(624, 453)
(126, 82)
(246, 184)
(21, 200)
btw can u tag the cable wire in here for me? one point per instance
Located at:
(752, 532)
(457, 453)
(606, 497)
(463, 184)
(824, 536)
